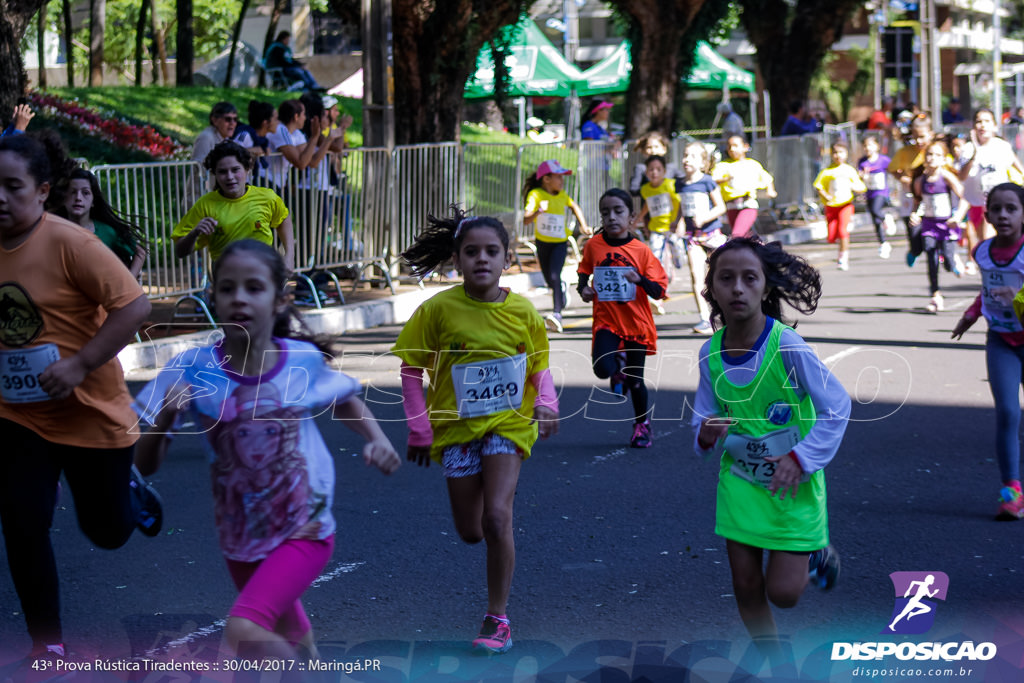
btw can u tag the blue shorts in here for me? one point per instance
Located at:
(463, 460)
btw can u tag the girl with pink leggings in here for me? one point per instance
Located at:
(739, 179)
(272, 474)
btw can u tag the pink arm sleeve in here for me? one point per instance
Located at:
(974, 311)
(415, 406)
(545, 386)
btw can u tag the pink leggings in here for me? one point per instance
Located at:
(269, 590)
(741, 220)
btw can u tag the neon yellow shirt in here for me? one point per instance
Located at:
(453, 337)
(840, 182)
(767, 407)
(662, 205)
(550, 225)
(255, 214)
(741, 178)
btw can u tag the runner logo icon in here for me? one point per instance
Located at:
(915, 592)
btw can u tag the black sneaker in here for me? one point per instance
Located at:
(823, 568)
(150, 516)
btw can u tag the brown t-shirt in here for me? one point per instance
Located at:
(56, 288)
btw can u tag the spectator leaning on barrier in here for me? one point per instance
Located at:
(798, 123)
(223, 121)
(951, 114)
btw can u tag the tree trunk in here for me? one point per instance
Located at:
(158, 51)
(235, 34)
(140, 42)
(183, 44)
(275, 16)
(791, 42)
(97, 27)
(41, 44)
(69, 48)
(435, 48)
(14, 18)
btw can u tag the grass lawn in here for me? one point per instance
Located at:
(183, 112)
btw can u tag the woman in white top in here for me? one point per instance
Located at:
(987, 163)
(292, 144)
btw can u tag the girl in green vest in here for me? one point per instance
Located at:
(775, 416)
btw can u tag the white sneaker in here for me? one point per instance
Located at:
(659, 308)
(844, 262)
(884, 250)
(553, 322)
(890, 224)
(935, 305)
(958, 265)
(971, 268)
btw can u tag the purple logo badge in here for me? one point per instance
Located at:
(914, 611)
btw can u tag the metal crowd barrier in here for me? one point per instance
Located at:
(354, 216)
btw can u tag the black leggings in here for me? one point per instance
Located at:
(934, 248)
(552, 258)
(605, 353)
(29, 471)
(914, 242)
(876, 207)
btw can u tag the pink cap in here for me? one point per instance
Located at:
(551, 166)
(603, 105)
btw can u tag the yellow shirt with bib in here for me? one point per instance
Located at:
(550, 225)
(479, 357)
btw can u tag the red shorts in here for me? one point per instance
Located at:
(838, 219)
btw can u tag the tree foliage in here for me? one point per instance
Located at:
(15, 16)
(434, 50)
(792, 37)
(663, 34)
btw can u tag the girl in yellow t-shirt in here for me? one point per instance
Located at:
(546, 203)
(491, 394)
(836, 185)
(740, 178)
(235, 210)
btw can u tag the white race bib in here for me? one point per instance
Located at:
(695, 203)
(839, 188)
(999, 310)
(659, 205)
(611, 284)
(989, 179)
(551, 225)
(876, 180)
(937, 205)
(489, 386)
(20, 370)
(750, 452)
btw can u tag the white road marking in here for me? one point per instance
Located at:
(219, 624)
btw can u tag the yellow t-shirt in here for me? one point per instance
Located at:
(662, 204)
(550, 225)
(253, 215)
(740, 179)
(840, 182)
(56, 290)
(499, 346)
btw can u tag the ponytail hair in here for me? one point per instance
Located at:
(443, 237)
(288, 323)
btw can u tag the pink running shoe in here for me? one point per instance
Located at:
(1011, 503)
(641, 435)
(495, 635)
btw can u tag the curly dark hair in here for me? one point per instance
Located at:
(443, 236)
(788, 278)
(225, 149)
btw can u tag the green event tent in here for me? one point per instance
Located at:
(536, 68)
(710, 71)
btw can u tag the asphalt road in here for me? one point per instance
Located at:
(619, 575)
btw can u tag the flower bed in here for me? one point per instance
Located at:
(108, 127)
